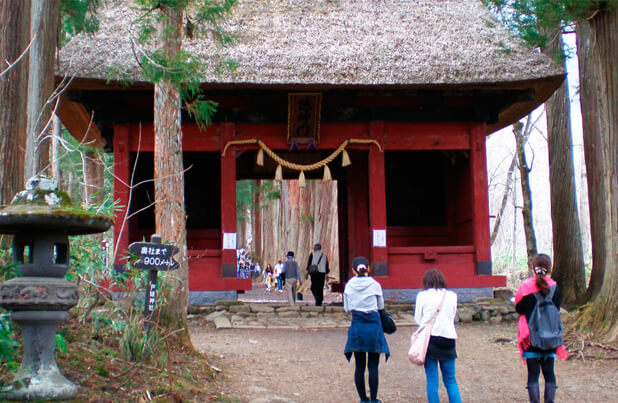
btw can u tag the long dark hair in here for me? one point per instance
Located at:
(541, 264)
(433, 278)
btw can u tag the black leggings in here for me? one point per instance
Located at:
(535, 365)
(359, 374)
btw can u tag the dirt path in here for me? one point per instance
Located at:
(273, 365)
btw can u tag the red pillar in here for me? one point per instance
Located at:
(228, 203)
(377, 202)
(478, 161)
(121, 191)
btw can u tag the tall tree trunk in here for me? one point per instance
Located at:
(258, 244)
(597, 45)
(44, 21)
(296, 221)
(505, 198)
(54, 152)
(568, 269)
(526, 193)
(170, 216)
(93, 177)
(14, 39)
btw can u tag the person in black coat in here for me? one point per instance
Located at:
(319, 259)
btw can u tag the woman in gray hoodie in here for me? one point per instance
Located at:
(363, 298)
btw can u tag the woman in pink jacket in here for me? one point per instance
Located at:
(537, 359)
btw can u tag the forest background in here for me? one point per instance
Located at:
(509, 249)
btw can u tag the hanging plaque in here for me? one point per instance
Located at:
(304, 117)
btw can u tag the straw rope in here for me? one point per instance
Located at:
(303, 167)
(237, 143)
(300, 167)
(367, 141)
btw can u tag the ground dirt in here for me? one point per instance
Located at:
(302, 365)
(276, 365)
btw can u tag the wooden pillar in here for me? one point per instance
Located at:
(377, 202)
(228, 203)
(480, 215)
(121, 191)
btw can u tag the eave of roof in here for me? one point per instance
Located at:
(322, 44)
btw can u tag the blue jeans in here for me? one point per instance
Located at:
(433, 380)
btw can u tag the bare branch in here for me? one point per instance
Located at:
(11, 65)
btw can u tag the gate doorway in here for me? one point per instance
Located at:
(274, 217)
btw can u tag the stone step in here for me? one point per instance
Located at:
(235, 314)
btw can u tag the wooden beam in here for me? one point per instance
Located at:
(79, 123)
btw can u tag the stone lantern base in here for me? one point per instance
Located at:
(39, 376)
(42, 219)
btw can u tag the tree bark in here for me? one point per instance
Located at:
(93, 177)
(505, 198)
(526, 193)
(54, 152)
(597, 45)
(44, 21)
(14, 39)
(170, 218)
(296, 221)
(568, 269)
(258, 245)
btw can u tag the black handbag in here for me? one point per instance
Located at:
(388, 323)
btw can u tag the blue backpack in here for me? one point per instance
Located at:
(545, 323)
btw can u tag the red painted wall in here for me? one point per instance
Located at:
(454, 249)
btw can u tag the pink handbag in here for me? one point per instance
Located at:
(419, 340)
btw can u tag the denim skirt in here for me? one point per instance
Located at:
(366, 335)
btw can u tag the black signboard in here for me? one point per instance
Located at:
(154, 257)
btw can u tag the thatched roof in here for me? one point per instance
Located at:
(345, 42)
(322, 44)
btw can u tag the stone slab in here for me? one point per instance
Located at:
(222, 322)
(265, 315)
(311, 308)
(201, 310)
(295, 308)
(242, 316)
(288, 314)
(240, 308)
(214, 315)
(249, 325)
(261, 308)
(283, 326)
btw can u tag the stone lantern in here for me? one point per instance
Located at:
(41, 219)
